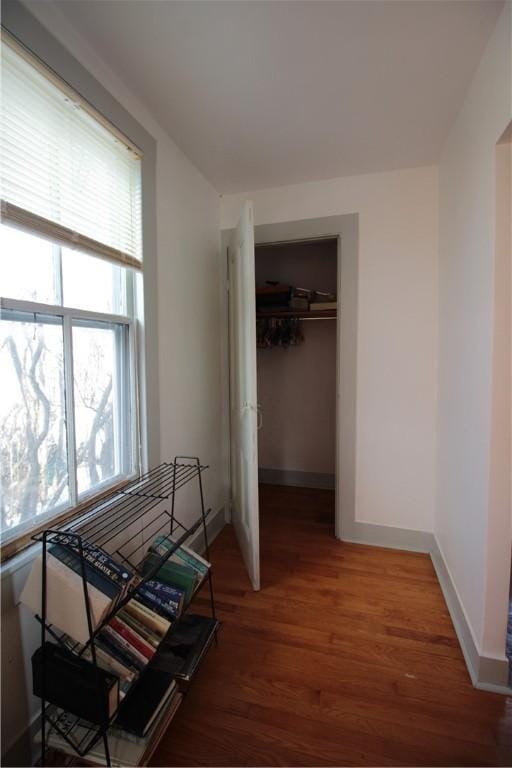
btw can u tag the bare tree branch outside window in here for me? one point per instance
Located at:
(33, 450)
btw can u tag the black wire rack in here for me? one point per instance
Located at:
(122, 523)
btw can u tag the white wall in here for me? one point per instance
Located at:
(190, 334)
(397, 329)
(297, 395)
(475, 545)
(190, 322)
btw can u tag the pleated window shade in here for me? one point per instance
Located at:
(66, 172)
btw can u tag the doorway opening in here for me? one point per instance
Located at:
(243, 416)
(296, 312)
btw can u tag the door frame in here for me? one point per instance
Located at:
(345, 229)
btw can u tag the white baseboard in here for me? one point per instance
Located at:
(488, 674)
(387, 536)
(214, 525)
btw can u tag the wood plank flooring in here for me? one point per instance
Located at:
(347, 656)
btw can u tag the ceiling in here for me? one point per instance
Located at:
(260, 94)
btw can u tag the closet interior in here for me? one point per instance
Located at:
(296, 310)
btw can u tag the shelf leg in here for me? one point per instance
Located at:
(43, 640)
(212, 603)
(203, 511)
(107, 750)
(173, 493)
(91, 638)
(206, 545)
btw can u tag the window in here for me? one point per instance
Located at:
(67, 411)
(70, 257)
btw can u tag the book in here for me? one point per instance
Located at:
(106, 661)
(302, 293)
(323, 296)
(297, 302)
(74, 684)
(158, 624)
(173, 597)
(141, 629)
(105, 644)
(149, 696)
(95, 577)
(104, 658)
(135, 640)
(183, 555)
(175, 575)
(126, 749)
(316, 305)
(151, 599)
(100, 561)
(124, 646)
(182, 649)
(65, 604)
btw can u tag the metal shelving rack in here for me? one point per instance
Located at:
(123, 524)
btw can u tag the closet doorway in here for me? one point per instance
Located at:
(296, 331)
(244, 414)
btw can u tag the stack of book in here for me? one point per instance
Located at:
(129, 641)
(176, 580)
(322, 300)
(126, 748)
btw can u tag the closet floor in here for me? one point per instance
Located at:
(347, 656)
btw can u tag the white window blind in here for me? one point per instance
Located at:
(66, 173)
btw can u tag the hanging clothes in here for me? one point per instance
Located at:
(278, 332)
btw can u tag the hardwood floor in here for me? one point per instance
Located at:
(347, 656)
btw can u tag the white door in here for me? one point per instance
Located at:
(243, 398)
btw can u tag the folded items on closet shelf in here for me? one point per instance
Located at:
(277, 332)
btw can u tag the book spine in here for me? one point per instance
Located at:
(108, 647)
(147, 616)
(72, 560)
(141, 629)
(124, 687)
(174, 575)
(165, 592)
(110, 664)
(204, 564)
(102, 562)
(181, 556)
(186, 559)
(148, 597)
(132, 637)
(161, 546)
(108, 567)
(125, 647)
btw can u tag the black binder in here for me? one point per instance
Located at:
(184, 646)
(150, 694)
(75, 684)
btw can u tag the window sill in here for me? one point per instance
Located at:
(11, 549)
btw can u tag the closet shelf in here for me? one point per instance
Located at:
(300, 314)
